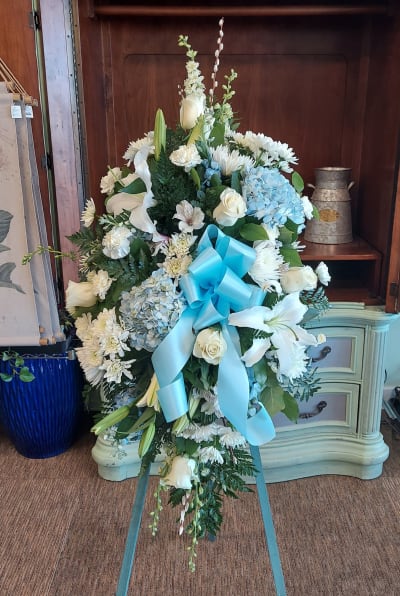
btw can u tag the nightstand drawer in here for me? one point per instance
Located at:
(335, 405)
(341, 356)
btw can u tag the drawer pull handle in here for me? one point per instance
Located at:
(323, 354)
(318, 409)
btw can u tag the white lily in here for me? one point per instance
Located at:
(281, 322)
(150, 397)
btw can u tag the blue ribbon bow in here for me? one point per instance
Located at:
(213, 287)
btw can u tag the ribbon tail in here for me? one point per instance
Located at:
(168, 360)
(233, 395)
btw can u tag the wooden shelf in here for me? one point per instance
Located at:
(357, 250)
(250, 10)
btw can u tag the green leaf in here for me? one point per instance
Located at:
(291, 256)
(235, 181)
(253, 232)
(25, 375)
(272, 398)
(147, 418)
(195, 177)
(297, 182)
(5, 377)
(286, 236)
(291, 409)
(260, 370)
(218, 134)
(134, 188)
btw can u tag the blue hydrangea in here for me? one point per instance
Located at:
(210, 168)
(271, 198)
(150, 310)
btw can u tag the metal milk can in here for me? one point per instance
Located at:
(332, 199)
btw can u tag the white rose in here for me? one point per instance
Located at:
(297, 279)
(116, 243)
(186, 156)
(181, 473)
(323, 273)
(232, 206)
(108, 181)
(210, 345)
(79, 294)
(192, 107)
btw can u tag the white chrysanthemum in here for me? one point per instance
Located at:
(114, 369)
(89, 213)
(107, 182)
(91, 359)
(232, 438)
(200, 433)
(135, 146)
(191, 218)
(178, 245)
(101, 282)
(175, 267)
(267, 267)
(116, 243)
(83, 326)
(230, 161)
(210, 454)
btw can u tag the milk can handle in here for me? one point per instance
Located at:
(351, 185)
(312, 185)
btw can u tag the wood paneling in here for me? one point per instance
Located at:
(326, 85)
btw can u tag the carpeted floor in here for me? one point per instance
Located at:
(63, 532)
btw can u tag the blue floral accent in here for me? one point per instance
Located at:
(271, 198)
(151, 310)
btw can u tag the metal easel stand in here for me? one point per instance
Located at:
(137, 511)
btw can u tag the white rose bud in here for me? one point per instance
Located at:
(79, 294)
(297, 279)
(232, 206)
(210, 345)
(192, 107)
(181, 473)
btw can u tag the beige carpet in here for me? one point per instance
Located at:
(63, 532)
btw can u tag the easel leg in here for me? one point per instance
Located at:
(269, 529)
(133, 533)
